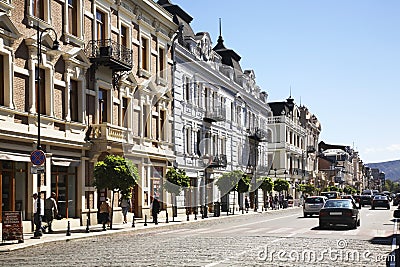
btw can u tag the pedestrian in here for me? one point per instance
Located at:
(105, 210)
(246, 203)
(125, 204)
(155, 209)
(276, 202)
(271, 201)
(50, 211)
(281, 201)
(37, 216)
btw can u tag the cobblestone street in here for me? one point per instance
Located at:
(228, 242)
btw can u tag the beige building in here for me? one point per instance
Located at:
(106, 91)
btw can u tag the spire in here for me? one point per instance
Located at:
(220, 42)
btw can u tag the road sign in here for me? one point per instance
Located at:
(38, 157)
(37, 169)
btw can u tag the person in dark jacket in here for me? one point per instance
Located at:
(155, 209)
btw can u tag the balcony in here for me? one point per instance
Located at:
(215, 114)
(257, 134)
(217, 161)
(109, 53)
(311, 149)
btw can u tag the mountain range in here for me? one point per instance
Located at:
(390, 168)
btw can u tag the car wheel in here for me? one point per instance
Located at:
(305, 215)
(323, 226)
(372, 208)
(388, 207)
(354, 225)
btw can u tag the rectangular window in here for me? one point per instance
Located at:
(72, 17)
(163, 124)
(73, 100)
(187, 89)
(188, 143)
(136, 121)
(124, 36)
(2, 78)
(89, 169)
(38, 9)
(90, 110)
(101, 25)
(145, 51)
(124, 108)
(40, 92)
(103, 106)
(161, 55)
(146, 121)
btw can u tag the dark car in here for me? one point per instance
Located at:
(380, 201)
(339, 212)
(366, 197)
(396, 199)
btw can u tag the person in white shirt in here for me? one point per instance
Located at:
(37, 218)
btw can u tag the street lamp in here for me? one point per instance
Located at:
(38, 231)
(206, 162)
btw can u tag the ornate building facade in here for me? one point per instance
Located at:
(106, 91)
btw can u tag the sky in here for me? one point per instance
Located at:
(341, 59)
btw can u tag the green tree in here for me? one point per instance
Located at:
(281, 185)
(117, 174)
(267, 185)
(306, 188)
(176, 180)
(349, 190)
(228, 181)
(243, 184)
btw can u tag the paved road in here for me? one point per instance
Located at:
(283, 238)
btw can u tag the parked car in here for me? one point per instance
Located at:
(331, 194)
(380, 201)
(313, 205)
(357, 198)
(339, 212)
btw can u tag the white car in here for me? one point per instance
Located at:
(313, 205)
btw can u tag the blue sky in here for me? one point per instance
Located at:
(341, 59)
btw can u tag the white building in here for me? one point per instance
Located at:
(217, 106)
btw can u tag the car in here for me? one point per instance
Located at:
(339, 212)
(331, 194)
(388, 194)
(366, 197)
(380, 201)
(396, 199)
(313, 204)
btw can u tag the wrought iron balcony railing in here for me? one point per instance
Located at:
(215, 114)
(257, 134)
(109, 53)
(218, 161)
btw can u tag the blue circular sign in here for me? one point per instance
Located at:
(38, 157)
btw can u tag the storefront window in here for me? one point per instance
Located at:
(63, 183)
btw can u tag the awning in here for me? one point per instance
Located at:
(15, 156)
(65, 162)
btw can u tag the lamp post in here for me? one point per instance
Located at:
(38, 231)
(206, 162)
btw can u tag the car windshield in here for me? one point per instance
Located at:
(367, 192)
(314, 200)
(337, 204)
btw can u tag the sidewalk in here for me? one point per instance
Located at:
(96, 230)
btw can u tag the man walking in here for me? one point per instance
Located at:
(50, 211)
(38, 212)
(155, 209)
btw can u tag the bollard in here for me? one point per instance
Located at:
(187, 217)
(242, 210)
(68, 229)
(145, 220)
(195, 216)
(133, 221)
(166, 216)
(87, 226)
